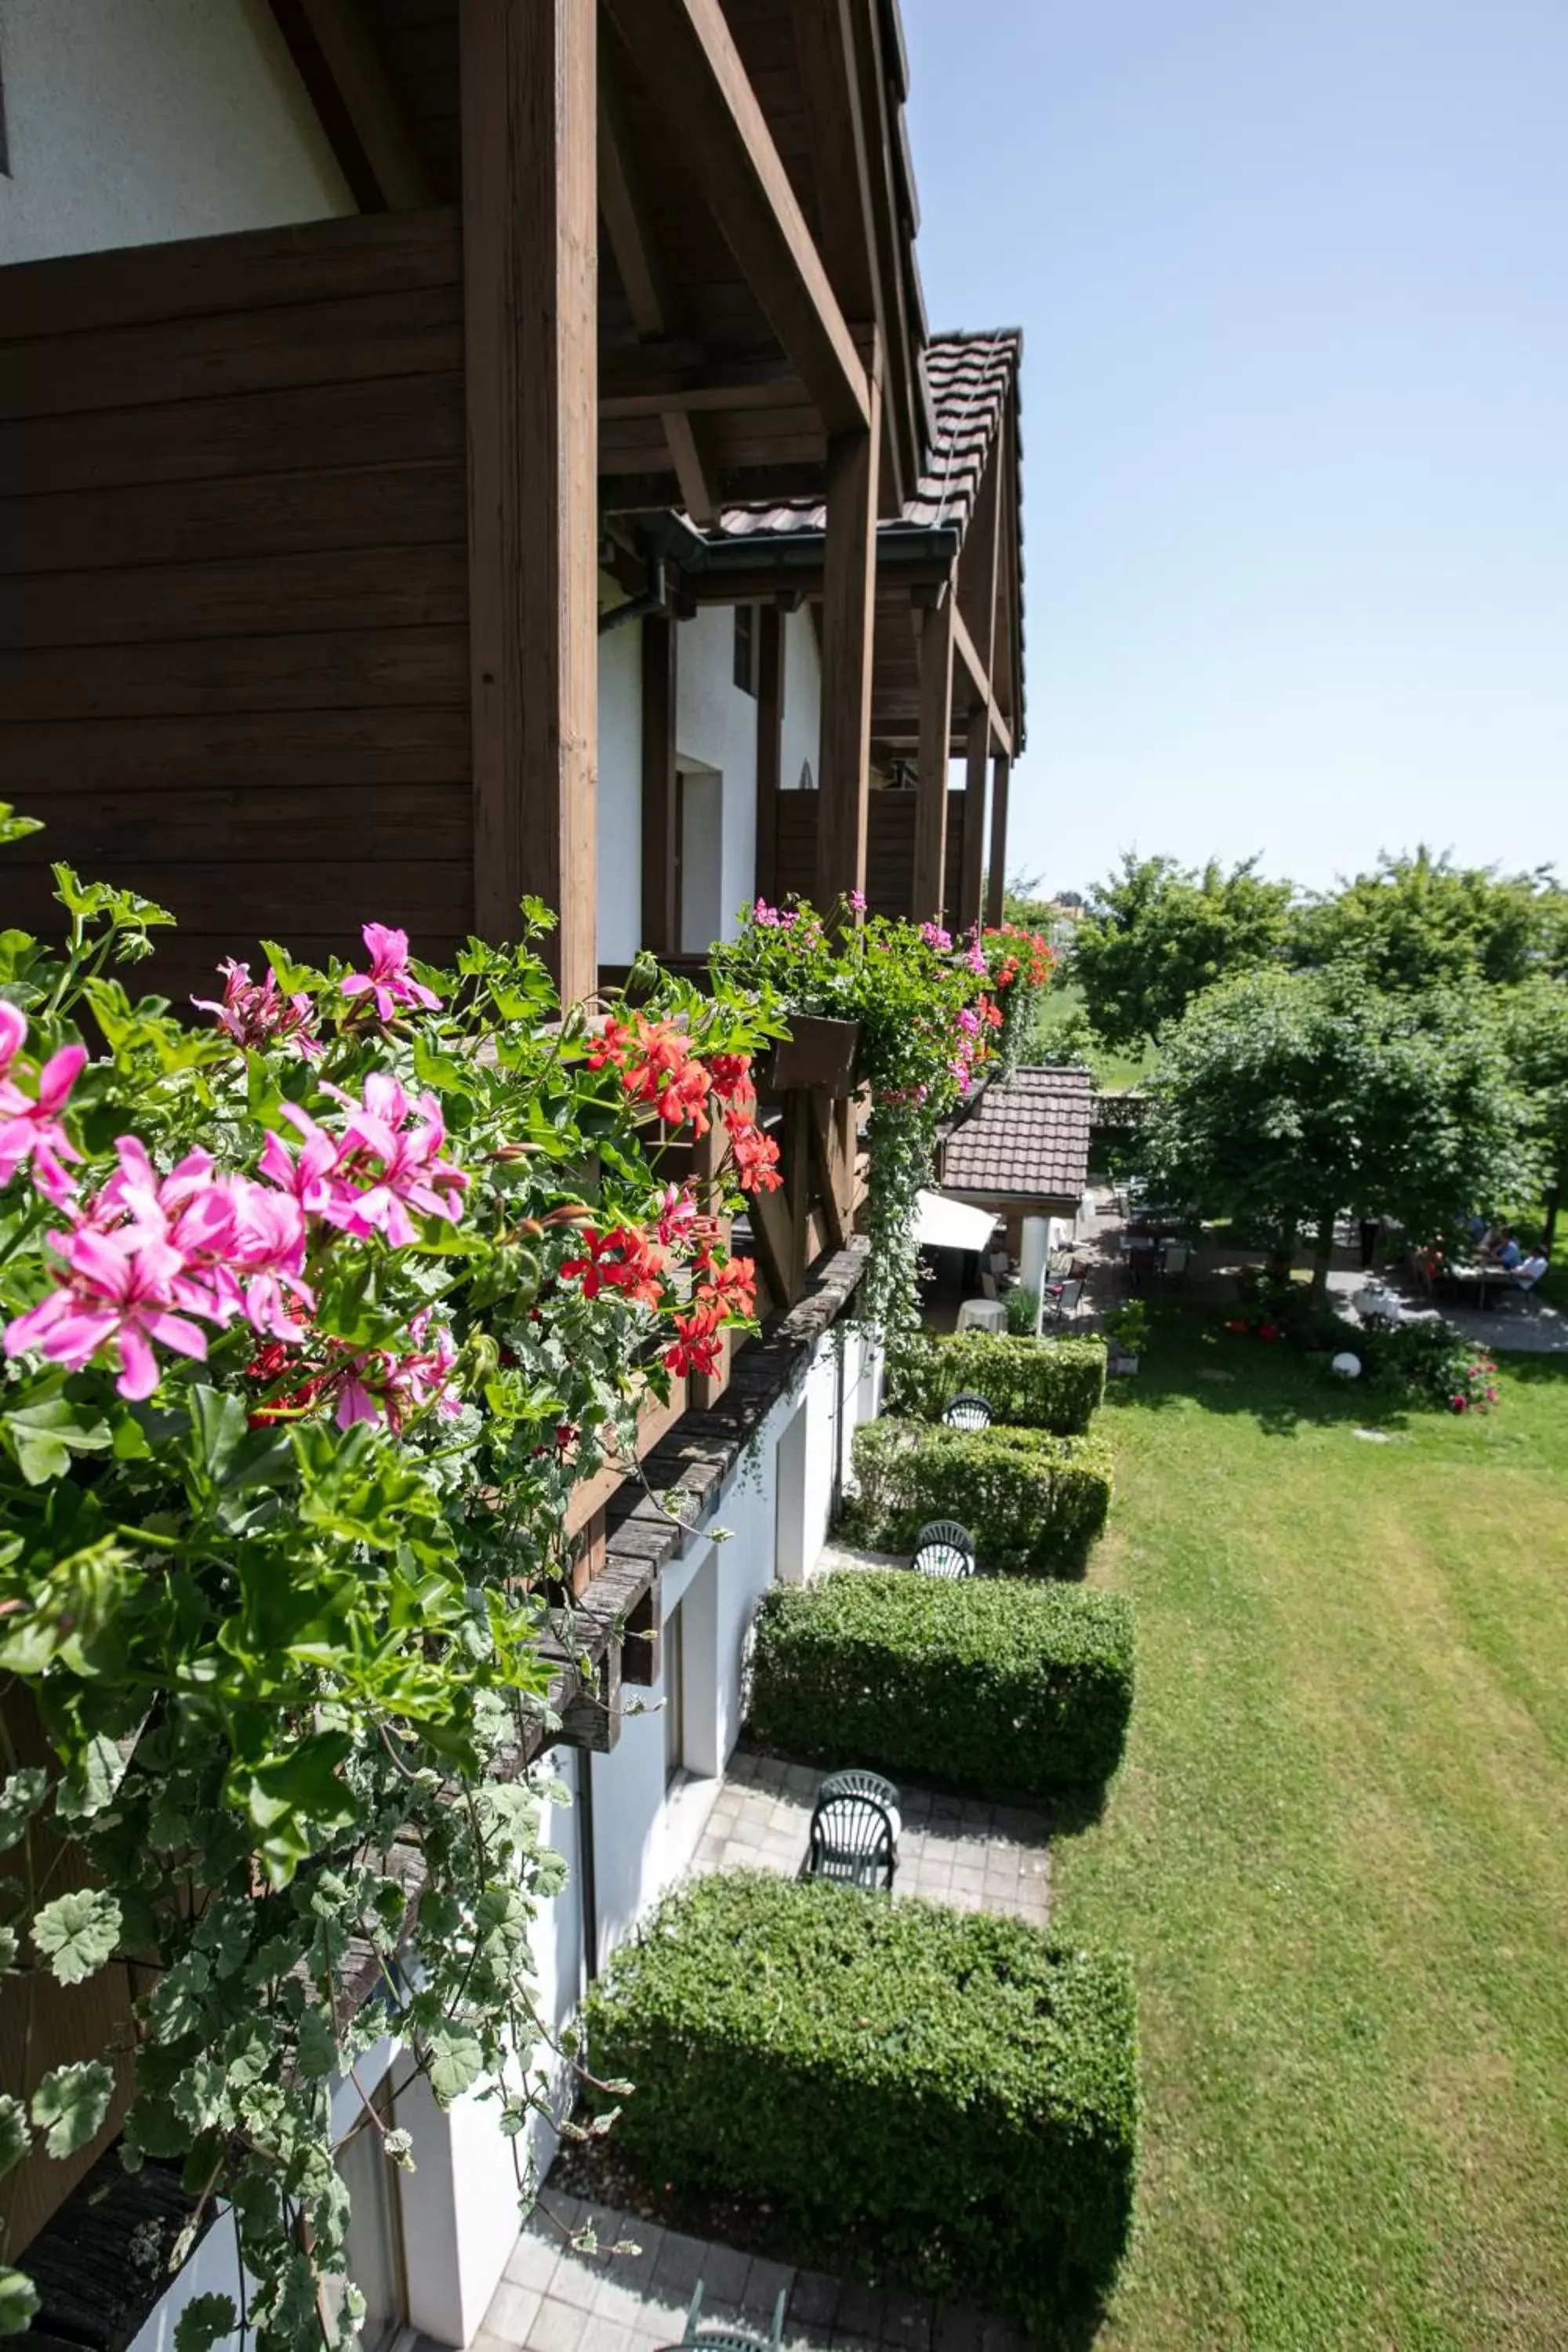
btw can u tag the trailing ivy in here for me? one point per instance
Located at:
(933, 1016)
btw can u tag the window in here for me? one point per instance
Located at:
(746, 649)
(674, 1645)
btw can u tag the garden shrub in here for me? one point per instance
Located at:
(1428, 1363)
(1029, 1383)
(986, 1684)
(1033, 1502)
(946, 2095)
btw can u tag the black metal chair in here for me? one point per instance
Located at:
(726, 2336)
(943, 1548)
(855, 1827)
(968, 1413)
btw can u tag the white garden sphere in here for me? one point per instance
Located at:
(1347, 1365)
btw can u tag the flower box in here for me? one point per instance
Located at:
(818, 1052)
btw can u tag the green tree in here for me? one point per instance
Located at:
(1420, 921)
(1286, 1098)
(1155, 934)
(1534, 1023)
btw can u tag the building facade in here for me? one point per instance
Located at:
(461, 448)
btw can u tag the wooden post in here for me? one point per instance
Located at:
(530, 331)
(707, 1388)
(972, 873)
(996, 876)
(770, 750)
(660, 787)
(849, 623)
(926, 896)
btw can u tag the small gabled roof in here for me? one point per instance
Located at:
(1025, 1140)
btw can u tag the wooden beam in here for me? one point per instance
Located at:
(641, 381)
(972, 872)
(660, 786)
(625, 211)
(936, 641)
(828, 36)
(848, 633)
(977, 566)
(336, 55)
(996, 876)
(529, 271)
(769, 749)
(965, 646)
(689, 65)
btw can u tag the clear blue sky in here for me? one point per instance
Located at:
(1293, 279)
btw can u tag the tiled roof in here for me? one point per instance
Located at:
(1026, 1139)
(969, 377)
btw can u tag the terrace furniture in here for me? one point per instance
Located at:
(723, 2335)
(943, 1548)
(1061, 1299)
(969, 1413)
(1174, 1259)
(855, 1827)
(982, 1315)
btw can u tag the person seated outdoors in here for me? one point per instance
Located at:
(1529, 1271)
(1503, 1250)
(1477, 1227)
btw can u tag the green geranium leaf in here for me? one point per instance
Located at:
(19, 2302)
(92, 1782)
(20, 1798)
(456, 2061)
(77, 1933)
(71, 2104)
(206, 2320)
(43, 1437)
(15, 2139)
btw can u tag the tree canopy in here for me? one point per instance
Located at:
(1285, 1098)
(1418, 921)
(1156, 933)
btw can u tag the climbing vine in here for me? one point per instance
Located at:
(315, 1313)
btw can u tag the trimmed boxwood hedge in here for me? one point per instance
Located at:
(1005, 1688)
(941, 2092)
(1055, 1384)
(1034, 1502)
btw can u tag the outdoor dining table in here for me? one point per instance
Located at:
(1476, 1274)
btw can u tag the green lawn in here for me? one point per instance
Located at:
(1338, 1852)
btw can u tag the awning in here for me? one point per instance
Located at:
(941, 1224)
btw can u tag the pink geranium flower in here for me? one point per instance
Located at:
(31, 1130)
(118, 1292)
(398, 1386)
(935, 936)
(858, 902)
(385, 1166)
(389, 980)
(257, 1013)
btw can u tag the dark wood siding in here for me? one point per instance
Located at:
(232, 585)
(890, 849)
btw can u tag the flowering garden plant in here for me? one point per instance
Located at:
(314, 1315)
(931, 1015)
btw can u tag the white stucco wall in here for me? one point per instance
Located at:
(132, 122)
(620, 793)
(716, 726)
(802, 728)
